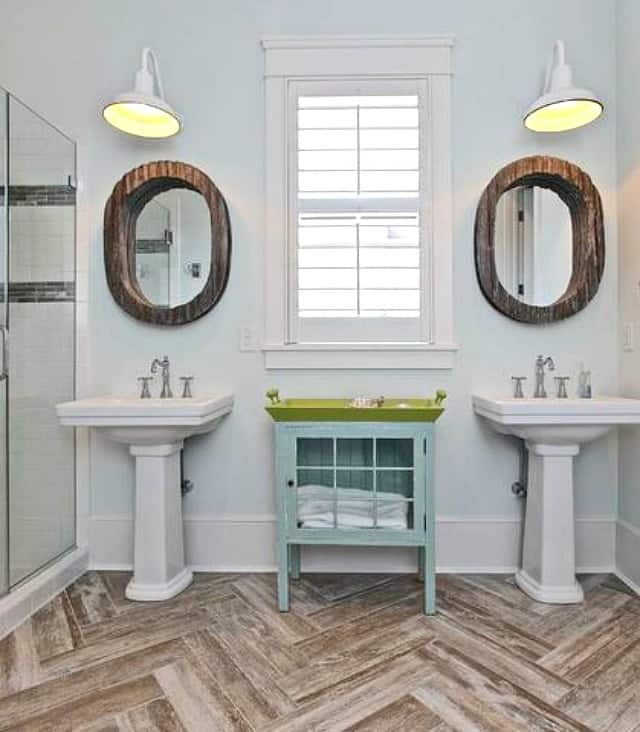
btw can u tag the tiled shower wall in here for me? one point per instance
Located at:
(41, 453)
(41, 354)
(40, 250)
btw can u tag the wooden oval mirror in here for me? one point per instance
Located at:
(167, 243)
(539, 240)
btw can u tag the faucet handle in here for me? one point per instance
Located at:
(561, 382)
(144, 381)
(517, 386)
(186, 386)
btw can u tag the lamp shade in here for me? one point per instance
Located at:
(143, 112)
(562, 105)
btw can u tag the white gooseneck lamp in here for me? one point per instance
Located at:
(144, 112)
(562, 106)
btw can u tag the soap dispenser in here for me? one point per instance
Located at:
(584, 383)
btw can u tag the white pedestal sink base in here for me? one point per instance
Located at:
(553, 430)
(569, 595)
(150, 593)
(548, 557)
(160, 572)
(155, 430)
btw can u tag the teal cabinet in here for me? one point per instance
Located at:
(355, 483)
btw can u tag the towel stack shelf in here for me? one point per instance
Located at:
(360, 483)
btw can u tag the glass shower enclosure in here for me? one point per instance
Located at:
(37, 341)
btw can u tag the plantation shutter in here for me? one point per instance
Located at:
(358, 265)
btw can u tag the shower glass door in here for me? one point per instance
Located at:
(4, 302)
(40, 314)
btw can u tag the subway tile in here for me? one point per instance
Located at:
(40, 195)
(41, 291)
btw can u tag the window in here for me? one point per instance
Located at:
(356, 200)
(352, 259)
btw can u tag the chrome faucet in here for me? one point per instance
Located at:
(166, 385)
(541, 362)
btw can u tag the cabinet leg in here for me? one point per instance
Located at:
(283, 576)
(429, 559)
(421, 553)
(294, 561)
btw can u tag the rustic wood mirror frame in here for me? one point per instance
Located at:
(130, 195)
(580, 195)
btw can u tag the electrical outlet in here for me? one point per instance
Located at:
(248, 339)
(629, 337)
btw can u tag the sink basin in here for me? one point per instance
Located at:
(135, 421)
(154, 430)
(557, 421)
(553, 430)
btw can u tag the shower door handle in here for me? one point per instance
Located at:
(5, 352)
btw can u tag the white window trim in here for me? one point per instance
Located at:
(304, 59)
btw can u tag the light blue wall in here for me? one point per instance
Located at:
(68, 58)
(628, 142)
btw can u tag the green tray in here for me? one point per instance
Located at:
(338, 410)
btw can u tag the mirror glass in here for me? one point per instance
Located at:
(533, 244)
(173, 247)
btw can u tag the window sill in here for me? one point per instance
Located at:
(359, 356)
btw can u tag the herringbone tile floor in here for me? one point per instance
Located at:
(355, 653)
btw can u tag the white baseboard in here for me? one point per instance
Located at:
(246, 543)
(629, 582)
(22, 602)
(628, 554)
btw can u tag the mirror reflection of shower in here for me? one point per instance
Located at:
(153, 240)
(533, 244)
(173, 247)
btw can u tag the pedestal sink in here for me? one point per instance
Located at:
(553, 430)
(154, 430)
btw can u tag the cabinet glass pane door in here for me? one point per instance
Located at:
(354, 483)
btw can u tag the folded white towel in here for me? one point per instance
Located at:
(355, 508)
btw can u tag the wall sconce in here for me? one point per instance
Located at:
(562, 106)
(144, 112)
